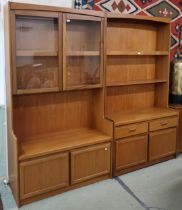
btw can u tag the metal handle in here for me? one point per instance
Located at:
(164, 123)
(132, 129)
(106, 149)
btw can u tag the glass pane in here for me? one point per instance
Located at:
(83, 42)
(82, 70)
(36, 52)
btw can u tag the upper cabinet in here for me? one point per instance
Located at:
(55, 51)
(82, 51)
(36, 49)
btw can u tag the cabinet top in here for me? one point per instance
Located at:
(35, 7)
(109, 15)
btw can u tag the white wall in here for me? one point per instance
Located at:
(2, 66)
(61, 3)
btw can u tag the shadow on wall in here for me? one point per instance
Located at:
(3, 151)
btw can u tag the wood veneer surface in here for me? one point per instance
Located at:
(57, 142)
(127, 117)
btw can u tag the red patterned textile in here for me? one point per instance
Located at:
(161, 8)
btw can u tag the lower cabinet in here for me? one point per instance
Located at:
(49, 173)
(131, 151)
(43, 175)
(162, 143)
(90, 162)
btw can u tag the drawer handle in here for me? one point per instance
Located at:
(164, 123)
(132, 129)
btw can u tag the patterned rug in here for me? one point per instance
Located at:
(161, 8)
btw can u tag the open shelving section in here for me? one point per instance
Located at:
(60, 141)
(136, 91)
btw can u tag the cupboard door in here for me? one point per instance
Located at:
(82, 51)
(36, 49)
(131, 151)
(43, 174)
(162, 143)
(90, 162)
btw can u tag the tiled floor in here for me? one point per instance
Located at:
(154, 188)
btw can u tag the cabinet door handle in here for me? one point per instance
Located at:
(164, 123)
(106, 149)
(132, 129)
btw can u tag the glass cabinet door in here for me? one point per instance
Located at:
(82, 46)
(36, 54)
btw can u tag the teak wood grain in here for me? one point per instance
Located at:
(162, 143)
(127, 98)
(104, 86)
(130, 130)
(44, 113)
(163, 123)
(95, 161)
(140, 115)
(123, 31)
(131, 151)
(57, 142)
(43, 175)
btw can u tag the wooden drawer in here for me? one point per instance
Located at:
(43, 175)
(163, 123)
(131, 151)
(90, 162)
(162, 143)
(129, 130)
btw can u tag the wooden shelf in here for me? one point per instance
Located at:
(127, 117)
(83, 53)
(36, 53)
(112, 53)
(86, 86)
(137, 82)
(62, 141)
(40, 90)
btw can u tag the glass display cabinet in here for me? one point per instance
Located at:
(82, 50)
(36, 48)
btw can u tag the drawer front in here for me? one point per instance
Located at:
(162, 143)
(43, 175)
(129, 130)
(131, 151)
(90, 162)
(163, 123)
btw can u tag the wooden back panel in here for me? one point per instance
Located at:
(129, 98)
(129, 68)
(123, 35)
(44, 113)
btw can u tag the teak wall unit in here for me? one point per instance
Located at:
(136, 96)
(60, 139)
(87, 98)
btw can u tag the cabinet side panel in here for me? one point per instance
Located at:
(12, 141)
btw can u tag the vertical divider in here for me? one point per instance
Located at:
(64, 51)
(13, 50)
(60, 51)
